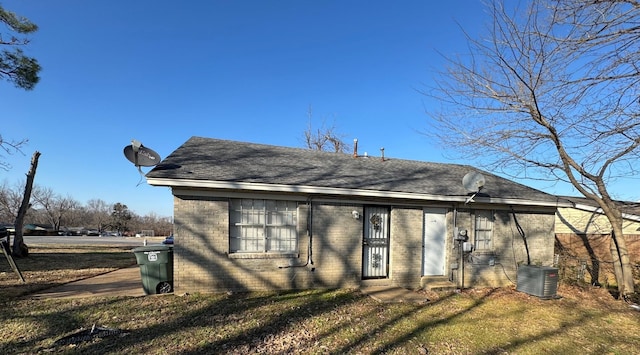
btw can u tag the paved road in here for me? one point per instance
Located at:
(87, 240)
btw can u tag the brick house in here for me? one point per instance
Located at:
(583, 236)
(260, 217)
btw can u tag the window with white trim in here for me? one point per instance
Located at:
(263, 226)
(483, 230)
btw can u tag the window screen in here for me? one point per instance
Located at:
(263, 225)
(483, 230)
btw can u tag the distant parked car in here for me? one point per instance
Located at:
(8, 228)
(168, 240)
(111, 234)
(92, 232)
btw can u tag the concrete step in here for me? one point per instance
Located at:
(393, 294)
(375, 283)
(437, 283)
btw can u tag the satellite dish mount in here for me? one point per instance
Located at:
(473, 182)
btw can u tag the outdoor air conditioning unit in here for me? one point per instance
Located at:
(540, 281)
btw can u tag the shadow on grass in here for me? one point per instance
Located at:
(330, 321)
(258, 319)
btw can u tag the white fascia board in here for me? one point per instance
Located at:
(278, 188)
(593, 209)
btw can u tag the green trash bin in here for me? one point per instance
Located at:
(156, 268)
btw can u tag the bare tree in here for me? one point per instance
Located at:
(151, 221)
(552, 94)
(43, 198)
(57, 209)
(76, 215)
(10, 198)
(10, 147)
(323, 138)
(99, 213)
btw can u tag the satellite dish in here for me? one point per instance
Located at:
(473, 182)
(140, 155)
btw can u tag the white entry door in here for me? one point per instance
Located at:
(433, 244)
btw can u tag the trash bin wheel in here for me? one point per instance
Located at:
(164, 287)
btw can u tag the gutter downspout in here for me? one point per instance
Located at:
(310, 235)
(522, 234)
(455, 226)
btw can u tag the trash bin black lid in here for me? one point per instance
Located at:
(160, 247)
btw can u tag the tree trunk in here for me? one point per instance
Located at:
(617, 265)
(19, 247)
(621, 262)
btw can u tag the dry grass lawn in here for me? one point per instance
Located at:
(583, 320)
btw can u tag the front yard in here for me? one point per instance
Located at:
(488, 321)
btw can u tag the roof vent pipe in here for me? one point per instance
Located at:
(355, 148)
(382, 153)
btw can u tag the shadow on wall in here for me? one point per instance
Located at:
(203, 263)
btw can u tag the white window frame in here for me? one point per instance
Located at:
(263, 226)
(483, 230)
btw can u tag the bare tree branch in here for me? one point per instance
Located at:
(323, 138)
(551, 93)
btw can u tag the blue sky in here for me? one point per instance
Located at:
(163, 71)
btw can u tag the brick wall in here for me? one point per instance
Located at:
(498, 267)
(406, 246)
(202, 262)
(582, 242)
(201, 243)
(587, 257)
(337, 240)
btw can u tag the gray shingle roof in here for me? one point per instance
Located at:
(207, 159)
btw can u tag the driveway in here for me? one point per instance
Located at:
(122, 282)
